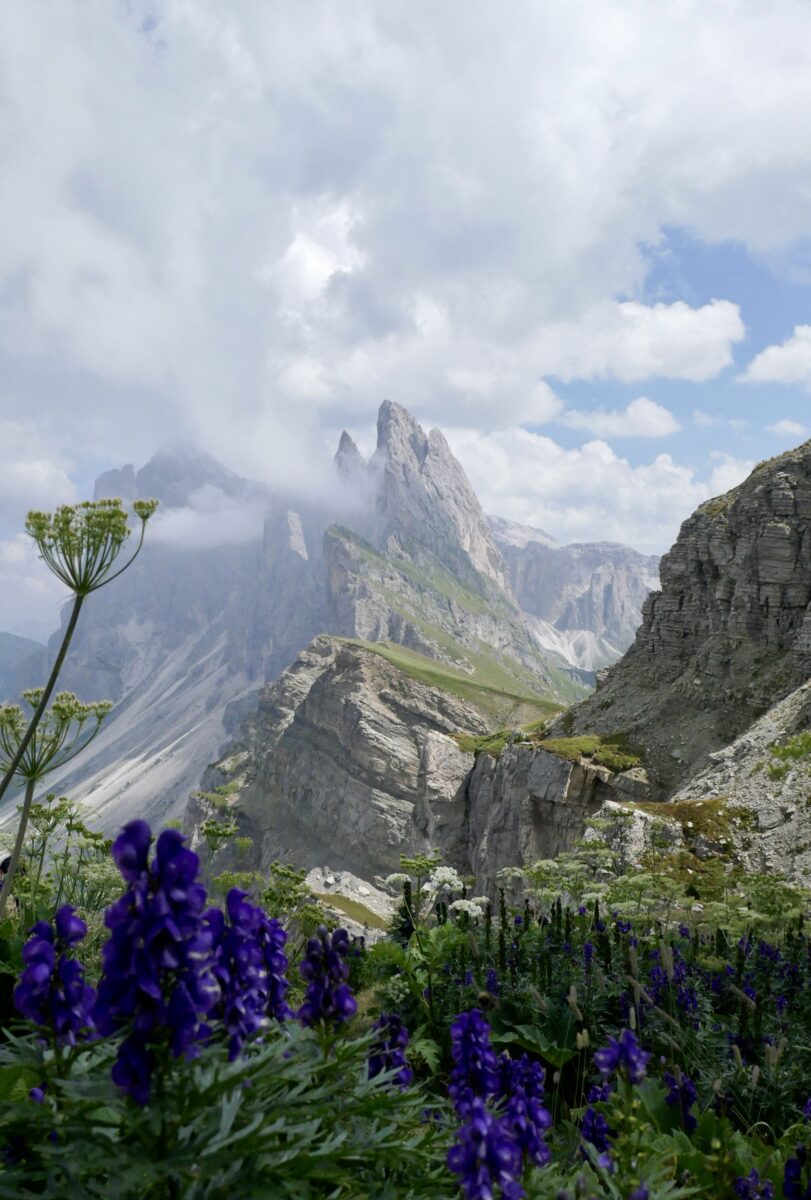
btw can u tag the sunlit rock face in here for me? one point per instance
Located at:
(728, 634)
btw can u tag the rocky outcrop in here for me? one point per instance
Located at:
(764, 780)
(350, 761)
(529, 805)
(347, 761)
(728, 634)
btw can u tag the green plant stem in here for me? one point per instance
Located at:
(18, 846)
(23, 746)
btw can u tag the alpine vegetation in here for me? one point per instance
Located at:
(624, 1046)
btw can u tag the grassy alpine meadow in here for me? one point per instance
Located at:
(628, 1041)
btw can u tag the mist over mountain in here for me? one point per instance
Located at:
(236, 578)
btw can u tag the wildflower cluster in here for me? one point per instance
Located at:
(52, 991)
(388, 1051)
(328, 998)
(499, 1101)
(159, 979)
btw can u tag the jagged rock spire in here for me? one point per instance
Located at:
(348, 461)
(426, 496)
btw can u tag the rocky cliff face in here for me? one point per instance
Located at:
(586, 596)
(729, 633)
(347, 762)
(426, 501)
(352, 758)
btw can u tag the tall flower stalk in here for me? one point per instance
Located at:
(80, 544)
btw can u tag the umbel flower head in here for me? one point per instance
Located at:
(64, 730)
(328, 996)
(158, 982)
(81, 542)
(52, 991)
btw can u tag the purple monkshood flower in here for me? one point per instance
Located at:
(240, 969)
(273, 937)
(807, 1109)
(475, 1070)
(623, 1054)
(594, 1129)
(328, 996)
(485, 1156)
(588, 955)
(491, 982)
(388, 1051)
(522, 1084)
(158, 979)
(753, 1188)
(683, 1093)
(52, 991)
(796, 1181)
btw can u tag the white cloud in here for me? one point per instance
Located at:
(789, 362)
(786, 428)
(715, 421)
(33, 473)
(640, 418)
(211, 518)
(632, 341)
(228, 216)
(29, 593)
(589, 493)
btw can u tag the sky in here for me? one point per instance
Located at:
(575, 237)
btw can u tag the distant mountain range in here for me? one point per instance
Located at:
(237, 578)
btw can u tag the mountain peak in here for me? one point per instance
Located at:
(425, 496)
(348, 461)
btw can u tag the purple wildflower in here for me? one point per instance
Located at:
(491, 982)
(807, 1109)
(522, 1086)
(588, 955)
(475, 1070)
(328, 996)
(623, 1054)
(753, 1188)
(594, 1129)
(273, 937)
(795, 1175)
(52, 990)
(682, 1091)
(240, 969)
(485, 1156)
(158, 979)
(388, 1051)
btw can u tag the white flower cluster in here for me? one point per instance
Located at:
(467, 906)
(396, 989)
(479, 900)
(445, 879)
(397, 879)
